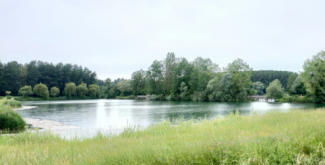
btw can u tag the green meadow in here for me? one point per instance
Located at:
(294, 137)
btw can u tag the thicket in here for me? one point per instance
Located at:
(9, 119)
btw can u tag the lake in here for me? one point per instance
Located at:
(114, 115)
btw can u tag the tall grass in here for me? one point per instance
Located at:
(295, 137)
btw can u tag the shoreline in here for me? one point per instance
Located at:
(43, 125)
(47, 124)
(24, 108)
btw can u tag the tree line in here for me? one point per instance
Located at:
(174, 78)
(14, 75)
(200, 80)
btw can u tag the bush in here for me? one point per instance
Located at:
(126, 97)
(12, 103)
(155, 97)
(296, 98)
(10, 120)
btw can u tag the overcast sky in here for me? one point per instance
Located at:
(116, 38)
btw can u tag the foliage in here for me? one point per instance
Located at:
(258, 88)
(274, 90)
(82, 90)
(126, 97)
(8, 93)
(313, 76)
(41, 90)
(124, 86)
(10, 102)
(14, 75)
(55, 91)
(296, 99)
(298, 87)
(25, 91)
(93, 90)
(184, 91)
(267, 76)
(155, 97)
(9, 119)
(70, 89)
(291, 79)
(295, 137)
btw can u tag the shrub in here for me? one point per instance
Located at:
(12, 103)
(10, 120)
(296, 98)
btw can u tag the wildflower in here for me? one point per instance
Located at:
(91, 160)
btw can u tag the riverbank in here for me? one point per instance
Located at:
(44, 125)
(294, 137)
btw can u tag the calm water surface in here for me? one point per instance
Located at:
(101, 114)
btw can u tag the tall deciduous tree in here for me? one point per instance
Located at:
(258, 87)
(70, 89)
(138, 82)
(313, 76)
(274, 90)
(55, 91)
(93, 90)
(25, 91)
(41, 90)
(298, 87)
(291, 79)
(82, 90)
(124, 86)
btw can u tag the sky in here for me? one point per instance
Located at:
(116, 38)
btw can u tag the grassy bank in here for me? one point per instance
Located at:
(272, 138)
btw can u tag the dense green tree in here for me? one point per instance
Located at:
(124, 86)
(70, 89)
(2, 81)
(182, 73)
(291, 79)
(11, 77)
(154, 78)
(25, 91)
(212, 88)
(240, 87)
(82, 90)
(298, 87)
(274, 90)
(267, 76)
(184, 95)
(93, 90)
(33, 73)
(41, 90)
(314, 76)
(169, 67)
(258, 87)
(55, 91)
(203, 71)
(138, 82)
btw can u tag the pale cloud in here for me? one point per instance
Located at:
(115, 38)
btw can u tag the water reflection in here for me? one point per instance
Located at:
(119, 113)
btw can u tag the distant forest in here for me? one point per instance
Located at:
(14, 75)
(165, 76)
